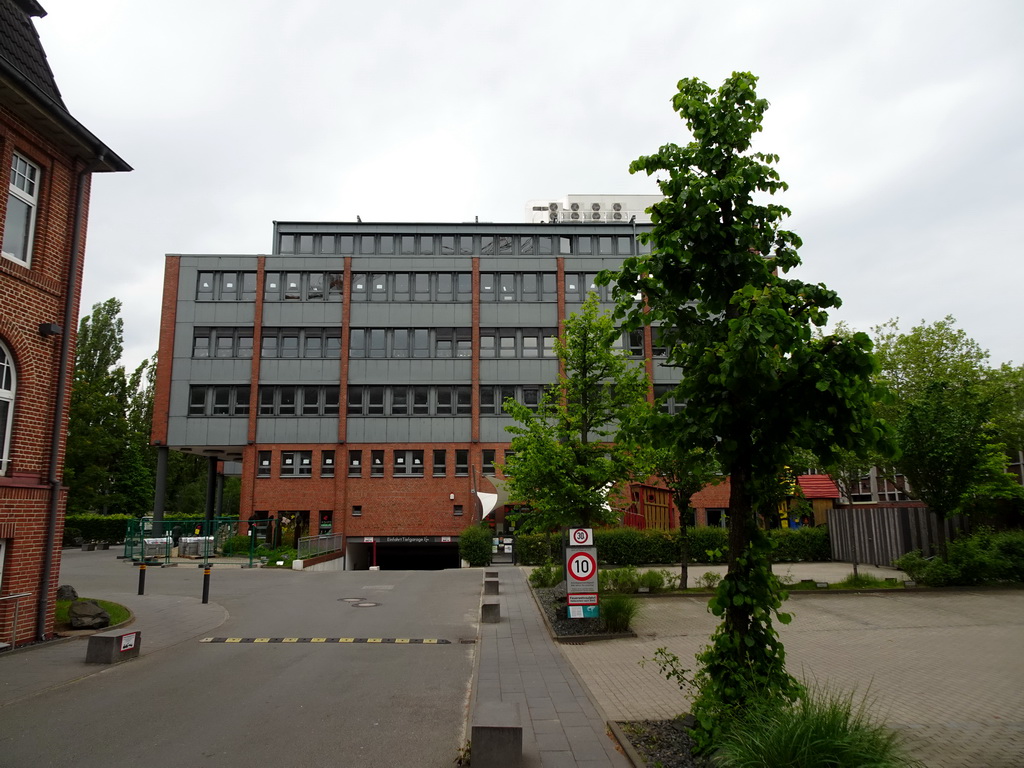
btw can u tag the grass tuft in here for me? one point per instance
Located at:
(823, 728)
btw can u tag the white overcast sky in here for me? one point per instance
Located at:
(898, 123)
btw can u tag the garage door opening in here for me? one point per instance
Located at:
(391, 556)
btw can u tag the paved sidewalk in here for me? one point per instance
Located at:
(562, 726)
(944, 668)
(165, 620)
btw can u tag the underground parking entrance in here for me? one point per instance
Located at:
(403, 553)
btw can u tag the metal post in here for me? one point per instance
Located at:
(206, 584)
(142, 578)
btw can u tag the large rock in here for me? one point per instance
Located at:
(87, 614)
(66, 592)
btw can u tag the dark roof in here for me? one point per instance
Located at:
(28, 88)
(21, 48)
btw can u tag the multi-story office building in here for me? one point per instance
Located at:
(50, 158)
(357, 372)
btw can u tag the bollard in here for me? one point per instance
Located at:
(142, 578)
(206, 584)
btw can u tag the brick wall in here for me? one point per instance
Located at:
(30, 296)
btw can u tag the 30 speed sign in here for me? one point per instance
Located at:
(581, 566)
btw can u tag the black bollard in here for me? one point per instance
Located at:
(206, 584)
(142, 578)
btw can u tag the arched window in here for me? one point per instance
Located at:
(8, 382)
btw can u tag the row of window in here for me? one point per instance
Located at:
(283, 400)
(374, 399)
(404, 463)
(389, 343)
(460, 245)
(389, 287)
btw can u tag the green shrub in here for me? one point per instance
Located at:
(708, 581)
(622, 581)
(538, 548)
(283, 555)
(821, 728)
(475, 546)
(72, 537)
(237, 545)
(808, 545)
(985, 557)
(618, 612)
(547, 575)
(706, 544)
(630, 546)
(653, 580)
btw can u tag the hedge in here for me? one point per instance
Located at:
(95, 527)
(704, 544)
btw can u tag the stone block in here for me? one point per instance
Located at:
(496, 738)
(490, 586)
(490, 610)
(112, 647)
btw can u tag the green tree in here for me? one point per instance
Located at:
(563, 462)
(756, 381)
(97, 426)
(948, 456)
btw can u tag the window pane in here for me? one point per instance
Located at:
(201, 346)
(316, 286)
(289, 345)
(291, 287)
(378, 287)
(269, 345)
(408, 244)
(377, 342)
(310, 401)
(420, 401)
(286, 401)
(400, 342)
(399, 401)
(444, 401)
(486, 286)
(357, 343)
(314, 346)
(445, 287)
(225, 345)
(375, 406)
(332, 397)
(401, 286)
(355, 401)
(420, 343)
(463, 286)
(507, 286)
(427, 244)
(421, 286)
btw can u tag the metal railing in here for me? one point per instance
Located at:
(311, 546)
(14, 628)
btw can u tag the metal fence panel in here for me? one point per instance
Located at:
(879, 535)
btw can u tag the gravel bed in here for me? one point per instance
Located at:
(663, 743)
(553, 602)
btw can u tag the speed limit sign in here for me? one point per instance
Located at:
(581, 537)
(581, 566)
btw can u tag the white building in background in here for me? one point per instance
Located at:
(591, 209)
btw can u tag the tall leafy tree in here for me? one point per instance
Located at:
(97, 426)
(564, 464)
(756, 381)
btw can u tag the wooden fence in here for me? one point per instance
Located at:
(879, 535)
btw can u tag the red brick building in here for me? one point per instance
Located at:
(51, 158)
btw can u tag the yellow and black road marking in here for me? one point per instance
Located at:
(371, 640)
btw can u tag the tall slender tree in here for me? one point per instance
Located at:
(757, 383)
(564, 464)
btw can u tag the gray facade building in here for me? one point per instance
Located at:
(357, 371)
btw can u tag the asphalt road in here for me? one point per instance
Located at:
(359, 704)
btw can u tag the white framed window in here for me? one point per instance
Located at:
(22, 201)
(8, 382)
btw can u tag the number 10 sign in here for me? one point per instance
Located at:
(581, 570)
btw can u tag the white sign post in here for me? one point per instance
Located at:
(581, 576)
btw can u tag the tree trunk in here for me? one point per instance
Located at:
(741, 521)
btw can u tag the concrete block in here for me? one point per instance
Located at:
(490, 586)
(490, 574)
(490, 610)
(114, 646)
(496, 739)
